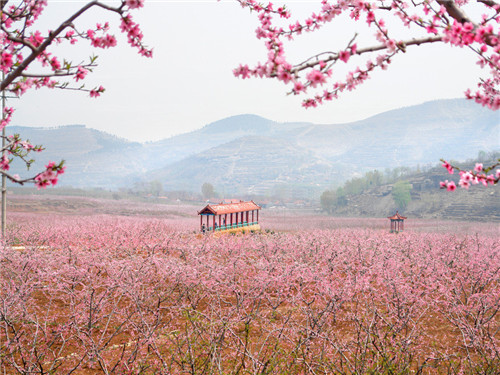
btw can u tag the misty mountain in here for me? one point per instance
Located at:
(453, 129)
(93, 158)
(249, 164)
(251, 154)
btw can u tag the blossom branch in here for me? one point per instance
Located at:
(360, 51)
(482, 38)
(471, 177)
(16, 25)
(52, 35)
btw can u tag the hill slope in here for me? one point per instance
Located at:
(250, 164)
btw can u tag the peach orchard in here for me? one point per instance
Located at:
(115, 295)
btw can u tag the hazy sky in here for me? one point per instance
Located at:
(189, 81)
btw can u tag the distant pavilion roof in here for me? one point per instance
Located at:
(397, 216)
(229, 208)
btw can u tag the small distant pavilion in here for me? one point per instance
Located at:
(397, 222)
(234, 216)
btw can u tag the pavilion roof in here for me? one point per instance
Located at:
(229, 208)
(397, 216)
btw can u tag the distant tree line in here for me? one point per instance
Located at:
(152, 188)
(208, 191)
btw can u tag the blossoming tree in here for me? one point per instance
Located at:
(27, 62)
(420, 22)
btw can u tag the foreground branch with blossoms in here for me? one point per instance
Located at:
(429, 21)
(478, 175)
(27, 62)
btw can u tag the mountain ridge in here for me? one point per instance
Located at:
(318, 155)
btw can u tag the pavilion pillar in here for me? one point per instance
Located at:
(219, 220)
(231, 219)
(213, 226)
(201, 222)
(252, 216)
(257, 216)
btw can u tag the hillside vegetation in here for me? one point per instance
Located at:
(415, 193)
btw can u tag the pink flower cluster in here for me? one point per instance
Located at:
(134, 35)
(7, 116)
(429, 22)
(96, 92)
(50, 175)
(5, 163)
(448, 185)
(105, 41)
(6, 61)
(132, 4)
(81, 72)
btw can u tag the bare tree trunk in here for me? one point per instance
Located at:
(4, 178)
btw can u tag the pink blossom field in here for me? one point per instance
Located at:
(147, 294)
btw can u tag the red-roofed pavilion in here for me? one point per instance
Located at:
(397, 222)
(230, 216)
